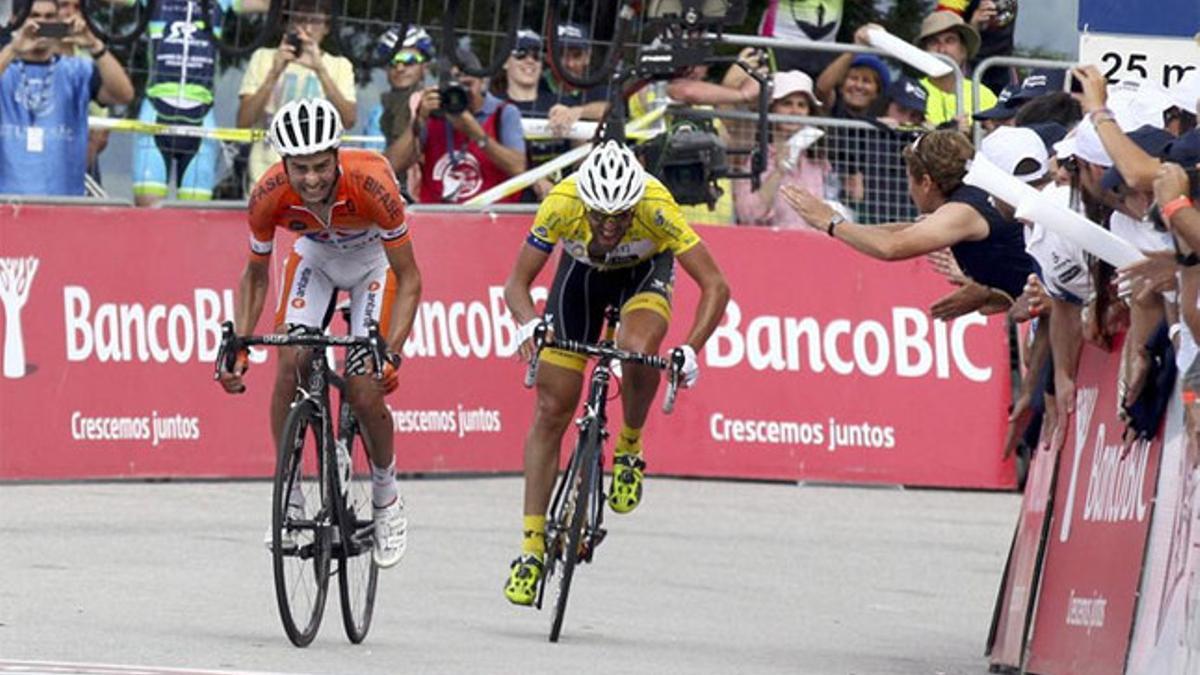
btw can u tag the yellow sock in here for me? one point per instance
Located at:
(534, 540)
(629, 441)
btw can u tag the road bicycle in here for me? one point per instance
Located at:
(574, 524)
(321, 501)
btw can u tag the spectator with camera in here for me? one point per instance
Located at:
(465, 139)
(996, 23)
(44, 100)
(297, 68)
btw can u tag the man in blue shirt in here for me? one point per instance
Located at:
(44, 101)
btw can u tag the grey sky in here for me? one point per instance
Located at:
(1048, 24)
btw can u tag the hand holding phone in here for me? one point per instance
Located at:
(53, 29)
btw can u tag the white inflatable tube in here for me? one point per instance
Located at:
(1082, 232)
(524, 180)
(1033, 206)
(908, 53)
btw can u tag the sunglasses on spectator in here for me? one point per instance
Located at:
(408, 59)
(523, 53)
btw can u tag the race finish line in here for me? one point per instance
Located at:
(68, 668)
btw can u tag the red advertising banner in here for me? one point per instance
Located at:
(1006, 646)
(826, 367)
(1097, 542)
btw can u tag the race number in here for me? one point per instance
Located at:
(1162, 61)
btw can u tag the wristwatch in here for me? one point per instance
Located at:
(836, 220)
(482, 142)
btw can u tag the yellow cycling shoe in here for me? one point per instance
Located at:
(626, 492)
(522, 585)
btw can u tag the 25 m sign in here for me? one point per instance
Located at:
(1163, 61)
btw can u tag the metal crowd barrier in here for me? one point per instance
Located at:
(862, 164)
(1012, 61)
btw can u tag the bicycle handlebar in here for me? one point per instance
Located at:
(231, 344)
(543, 337)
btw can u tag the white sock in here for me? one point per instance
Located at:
(383, 484)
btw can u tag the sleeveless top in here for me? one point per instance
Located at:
(999, 260)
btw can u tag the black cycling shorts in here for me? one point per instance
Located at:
(581, 292)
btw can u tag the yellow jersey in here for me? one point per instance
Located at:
(657, 226)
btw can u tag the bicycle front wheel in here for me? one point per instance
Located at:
(357, 572)
(300, 525)
(572, 517)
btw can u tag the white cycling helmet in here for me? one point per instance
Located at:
(305, 127)
(611, 180)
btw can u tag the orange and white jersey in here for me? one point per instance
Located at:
(367, 207)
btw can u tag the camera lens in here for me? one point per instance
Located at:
(454, 98)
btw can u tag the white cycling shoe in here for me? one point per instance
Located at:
(289, 539)
(391, 534)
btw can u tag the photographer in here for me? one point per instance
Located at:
(298, 68)
(465, 139)
(44, 102)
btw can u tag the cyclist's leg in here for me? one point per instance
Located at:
(575, 309)
(645, 316)
(305, 297)
(371, 298)
(149, 164)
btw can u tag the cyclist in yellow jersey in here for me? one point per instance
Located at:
(621, 232)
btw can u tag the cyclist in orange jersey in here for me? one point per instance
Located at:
(346, 204)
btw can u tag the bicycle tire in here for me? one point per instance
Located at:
(448, 39)
(587, 454)
(148, 10)
(303, 422)
(358, 576)
(607, 64)
(270, 20)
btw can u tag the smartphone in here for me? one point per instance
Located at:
(53, 29)
(294, 40)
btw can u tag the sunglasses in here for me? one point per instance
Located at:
(522, 53)
(408, 59)
(598, 218)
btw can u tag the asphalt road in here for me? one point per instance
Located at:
(706, 577)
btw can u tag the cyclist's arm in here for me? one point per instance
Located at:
(714, 293)
(408, 293)
(252, 294)
(517, 294)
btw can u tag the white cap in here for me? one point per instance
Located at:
(791, 81)
(1186, 92)
(1133, 103)
(1136, 103)
(1007, 147)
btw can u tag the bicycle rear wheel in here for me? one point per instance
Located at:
(572, 517)
(357, 572)
(300, 510)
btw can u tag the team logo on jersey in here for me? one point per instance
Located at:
(298, 303)
(460, 180)
(373, 286)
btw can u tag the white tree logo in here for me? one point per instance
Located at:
(16, 276)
